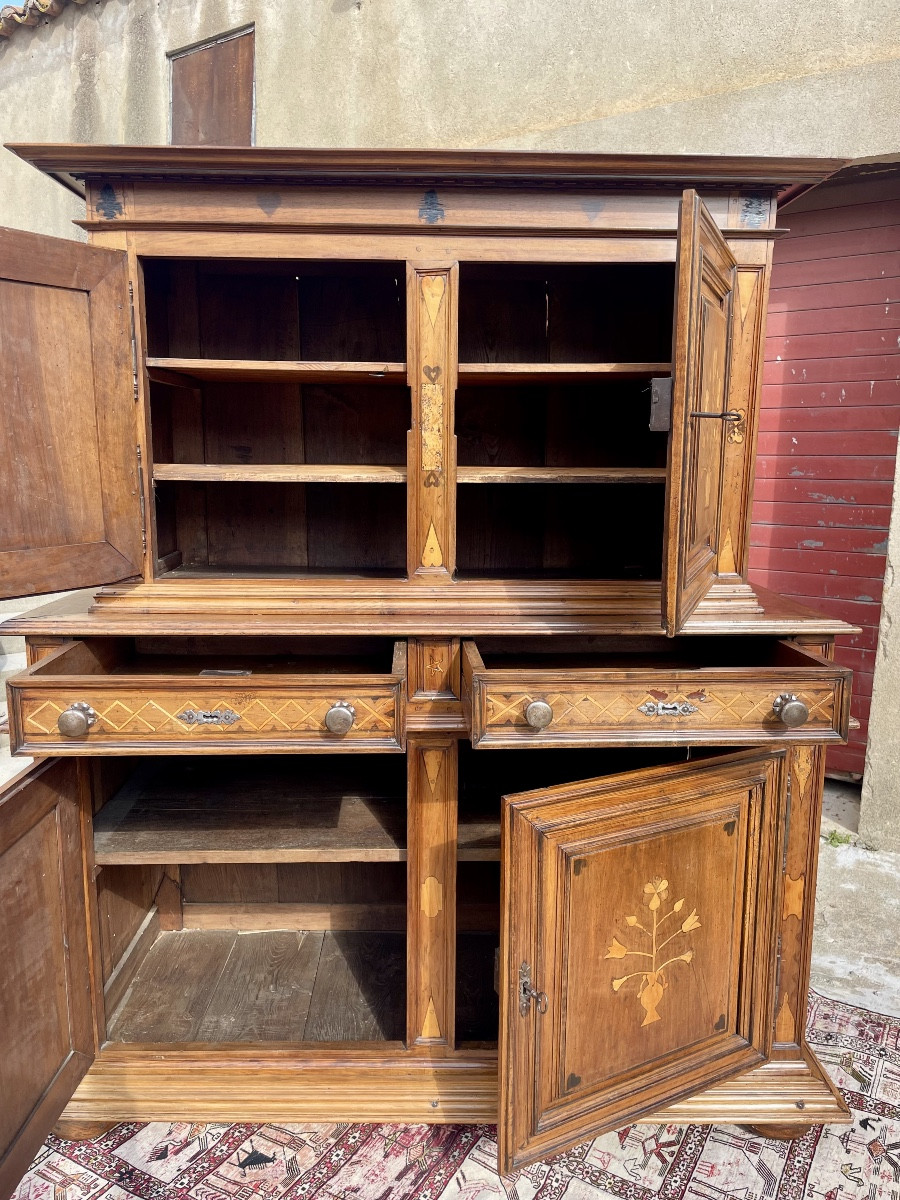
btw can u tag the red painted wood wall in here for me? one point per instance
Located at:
(830, 415)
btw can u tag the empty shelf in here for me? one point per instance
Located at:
(180, 371)
(531, 372)
(560, 474)
(275, 473)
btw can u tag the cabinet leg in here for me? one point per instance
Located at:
(782, 1133)
(81, 1131)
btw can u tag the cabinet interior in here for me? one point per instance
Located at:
(280, 413)
(290, 887)
(286, 876)
(258, 468)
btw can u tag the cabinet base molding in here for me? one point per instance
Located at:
(242, 1084)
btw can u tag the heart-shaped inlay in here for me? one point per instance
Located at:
(431, 373)
(433, 287)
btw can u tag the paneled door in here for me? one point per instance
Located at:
(700, 419)
(69, 487)
(46, 1031)
(638, 944)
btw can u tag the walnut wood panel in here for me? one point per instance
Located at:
(69, 489)
(212, 93)
(292, 206)
(431, 891)
(147, 713)
(47, 1042)
(220, 163)
(806, 777)
(431, 355)
(748, 324)
(624, 1013)
(704, 284)
(274, 606)
(434, 669)
(717, 705)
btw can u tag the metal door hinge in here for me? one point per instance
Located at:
(527, 993)
(661, 404)
(134, 362)
(142, 502)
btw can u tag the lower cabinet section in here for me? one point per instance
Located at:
(564, 941)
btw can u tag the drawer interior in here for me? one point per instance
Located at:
(226, 657)
(653, 654)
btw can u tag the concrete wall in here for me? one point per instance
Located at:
(734, 76)
(879, 818)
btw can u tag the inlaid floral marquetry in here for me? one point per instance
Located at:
(652, 941)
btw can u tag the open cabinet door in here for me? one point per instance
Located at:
(703, 293)
(637, 944)
(46, 1023)
(69, 484)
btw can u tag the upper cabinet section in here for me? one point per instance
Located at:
(69, 489)
(522, 382)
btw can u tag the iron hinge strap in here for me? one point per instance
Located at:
(134, 361)
(141, 500)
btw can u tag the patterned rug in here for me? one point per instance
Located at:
(418, 1162)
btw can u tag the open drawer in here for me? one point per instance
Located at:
(702, 691)
(149, 696)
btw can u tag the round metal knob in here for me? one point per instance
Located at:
(340, 717)
(538, 714)
(76, 720)
(790, 710)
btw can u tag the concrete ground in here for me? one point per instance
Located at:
(856, 949)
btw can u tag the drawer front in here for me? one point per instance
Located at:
(146, 716)
(717, 706)
(737, 713)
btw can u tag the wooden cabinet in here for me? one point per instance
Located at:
(383, 460)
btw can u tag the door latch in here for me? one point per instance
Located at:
(527, 992)
(661, 404)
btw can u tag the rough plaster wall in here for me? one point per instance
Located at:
(879, 818)
(715, 76)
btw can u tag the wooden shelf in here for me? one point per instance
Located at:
(308, 811)
(289, 817)
(560, 474)
(180, 371)
(530, 372)
(478, 839)
(275, 473)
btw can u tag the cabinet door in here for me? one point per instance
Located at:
(69, 486)
(703, 292)
(46, 1031)
(637, 944)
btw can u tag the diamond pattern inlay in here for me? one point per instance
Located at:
(723, 708)
(258, 714)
